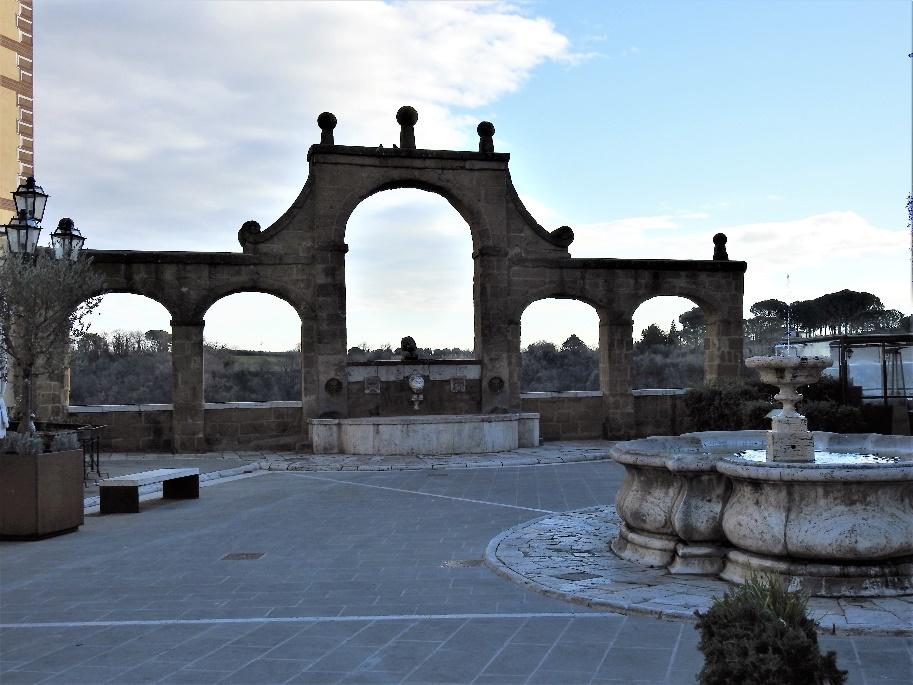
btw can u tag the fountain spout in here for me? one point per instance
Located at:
(417, 386)
(789, 438)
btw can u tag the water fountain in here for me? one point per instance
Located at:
(831, 513)
(420, 407)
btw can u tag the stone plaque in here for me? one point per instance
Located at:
(458, 384)
(372, 385)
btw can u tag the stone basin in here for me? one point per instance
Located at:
(443, 434)
(831, 529)
(671, 503)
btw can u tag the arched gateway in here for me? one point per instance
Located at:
(301, 259)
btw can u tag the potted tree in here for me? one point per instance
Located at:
(40, 491)
(46, 295)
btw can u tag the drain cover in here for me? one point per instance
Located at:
(578, 575)
(242, 556)
(461, 563)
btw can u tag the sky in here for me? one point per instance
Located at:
(647, 127)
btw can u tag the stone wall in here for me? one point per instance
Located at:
(234, 425)
(381, 388)
(300, 258)
(660, 412)
(128, 428)
(578, 415)
(573, 415)
(254, 425)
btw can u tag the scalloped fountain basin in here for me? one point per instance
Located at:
(841, 525)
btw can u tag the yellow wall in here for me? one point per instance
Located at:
(9, 111)
(9, 146)
(9, 119)
(9, 10)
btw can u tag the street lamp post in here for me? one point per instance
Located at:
(22, 234)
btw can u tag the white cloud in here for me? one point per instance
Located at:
(189, 118)
(822, 253)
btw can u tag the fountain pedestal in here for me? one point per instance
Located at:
(789, 438)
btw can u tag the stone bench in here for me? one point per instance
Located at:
(120, 495)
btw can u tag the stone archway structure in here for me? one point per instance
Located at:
(301, 259)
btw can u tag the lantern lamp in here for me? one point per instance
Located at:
(67, 241)
(30, 198)
(22, 234)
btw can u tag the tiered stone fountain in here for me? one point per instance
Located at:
(831, 513)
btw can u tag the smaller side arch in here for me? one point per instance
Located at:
(305, 310)
(154, 296)
(546, 293)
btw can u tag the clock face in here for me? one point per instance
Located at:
(416, 382)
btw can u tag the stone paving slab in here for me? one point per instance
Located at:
(232, 463)
(559, 452)
(568, 556)
(364, 577)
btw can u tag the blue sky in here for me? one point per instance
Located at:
(646, 126)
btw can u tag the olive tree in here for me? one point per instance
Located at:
(44, 305)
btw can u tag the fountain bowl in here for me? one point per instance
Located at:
(789, 370)
(841, 528)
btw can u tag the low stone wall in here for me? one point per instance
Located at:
(253, 425)
(578, 415)
(232, 425)
(128, 427)
(660, 411)
(572, 415)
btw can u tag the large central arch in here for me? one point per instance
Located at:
(301, 258)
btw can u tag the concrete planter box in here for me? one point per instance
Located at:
(40, 495)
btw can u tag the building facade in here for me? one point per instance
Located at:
(16, 98)
(16, 109)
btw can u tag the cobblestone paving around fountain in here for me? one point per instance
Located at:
(567, 556)
(550, 453)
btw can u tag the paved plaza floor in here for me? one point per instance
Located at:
(339, 577)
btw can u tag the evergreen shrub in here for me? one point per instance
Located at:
(833, 417)
(722, 405)
(759, 634)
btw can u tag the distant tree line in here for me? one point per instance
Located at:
(132, 367)
(842, 313)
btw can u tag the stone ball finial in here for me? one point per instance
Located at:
(719, 247)
(249, 230)
(563, 236)
(406, 117)
(327, 122)
(486, 131)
